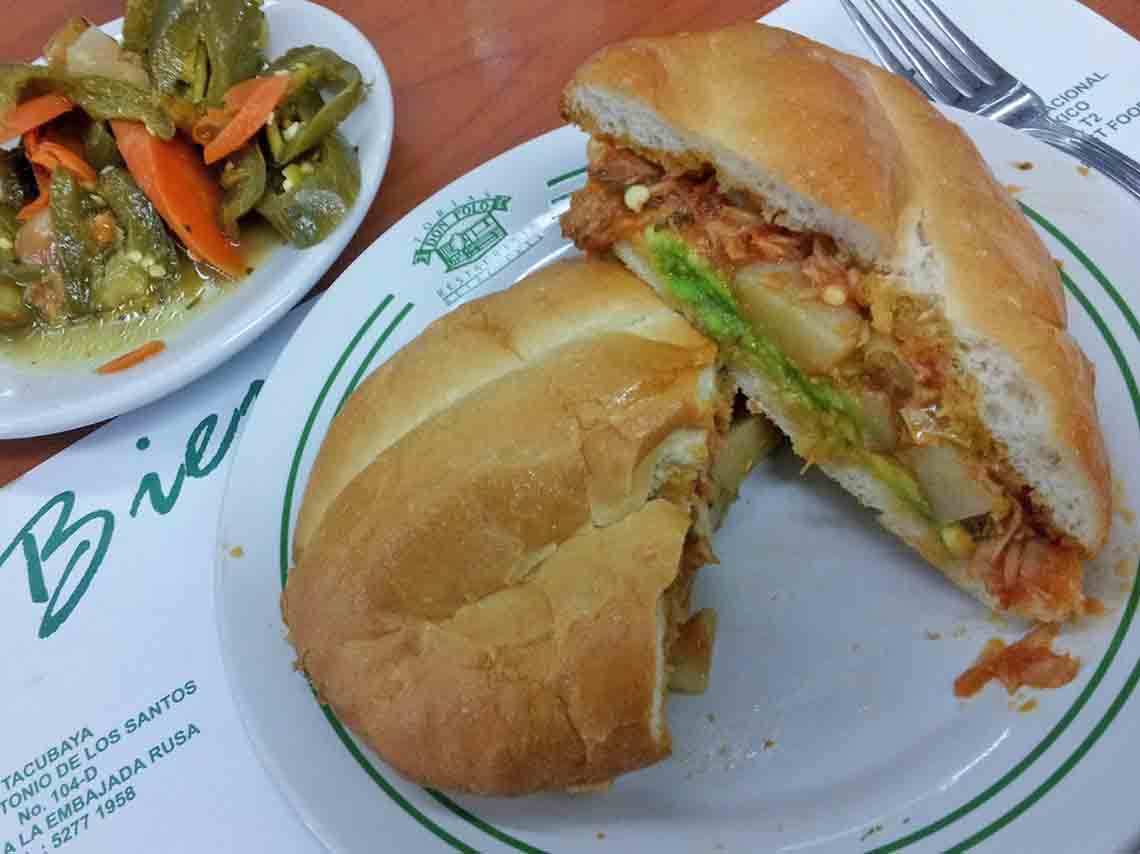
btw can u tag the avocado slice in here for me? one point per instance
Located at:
(708, 301)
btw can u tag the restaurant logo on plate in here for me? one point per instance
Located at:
(463, 234)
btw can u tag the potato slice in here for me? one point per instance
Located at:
(748, 440)
(814, 335)
(948, 483)
(691, 655)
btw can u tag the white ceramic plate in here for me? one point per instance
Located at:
(830, 724)
(36, 400)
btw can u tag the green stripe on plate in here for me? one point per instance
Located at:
(287, 505)
(484, 826)
(1122, 628)
(1130, 609)
(291, 482)
(922, 833)
(363, 367)
(388, 788)
(1088, 264)
(566, 176)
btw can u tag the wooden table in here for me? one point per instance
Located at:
(471, 79)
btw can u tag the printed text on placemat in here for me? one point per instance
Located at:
(89, 775)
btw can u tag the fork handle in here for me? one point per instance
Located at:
(1089, 150)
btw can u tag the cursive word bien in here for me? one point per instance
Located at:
(51, 528)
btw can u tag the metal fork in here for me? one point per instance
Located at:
(962, 75)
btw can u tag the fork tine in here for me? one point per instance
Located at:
(944, 90)
(960, 75)
(884, 53)
(877, 45)
(990, 71)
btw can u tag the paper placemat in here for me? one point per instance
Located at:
(119, 730)
(1084, 67)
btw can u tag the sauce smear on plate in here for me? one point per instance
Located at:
(1031, 661)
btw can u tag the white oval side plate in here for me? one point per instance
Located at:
(830, 723)
(35, 401)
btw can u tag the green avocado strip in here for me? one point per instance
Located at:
(709, 302)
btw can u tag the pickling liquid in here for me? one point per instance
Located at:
(112, 333)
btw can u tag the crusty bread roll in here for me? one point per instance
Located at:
(496, 543)
(818, 146)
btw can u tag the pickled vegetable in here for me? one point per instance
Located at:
(76, 252)
(248, 107)
(122, 280)
(176, 63)
(9, 227)
(137, 26)
(29, 114)
(183, 191)
(102, 195)
(199, 50)
(140, 222)
(19, 273)
(309, 198)
(243, 182)
(63, 38)
(99, 97)
(14, 314)
(299, 127)
(16, 181)
(234, 33)
(99, 147)
(146, 259)
(94, 52)
(49, 150)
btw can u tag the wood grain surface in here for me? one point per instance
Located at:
(471, 79)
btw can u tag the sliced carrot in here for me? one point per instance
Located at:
(207, 128)
(69, 160)
(43, 179)
(214, 120)
(31, 141)
(129, 360)
(238, 95)
(182, 190)
(43, 184)
(257, 97)
(33, 207)
(51, 153)
(31, 114)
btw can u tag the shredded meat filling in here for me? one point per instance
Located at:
(1021, 567)
(726, 233)
(620, 166)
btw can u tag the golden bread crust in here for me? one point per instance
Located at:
(478, 598)
(861, 145)
(1003, 285)
(480, 342)
(772, 97)
(546, 684)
